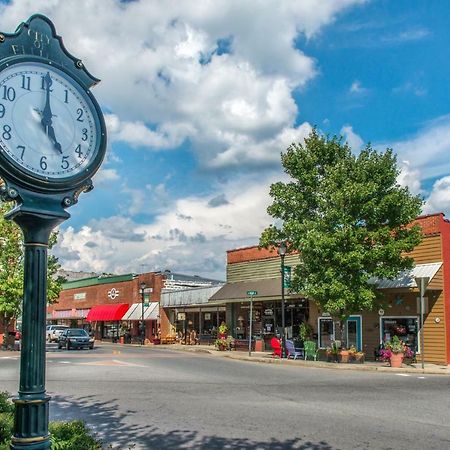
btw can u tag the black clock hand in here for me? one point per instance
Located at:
(47, 115)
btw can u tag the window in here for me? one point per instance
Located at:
(326, 331)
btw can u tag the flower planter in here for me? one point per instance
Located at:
(344, 356)
(396, 360)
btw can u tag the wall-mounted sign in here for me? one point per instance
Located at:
(326, 314)
(207, 316)
(381, 312)
(113, 293)
(79, 296)
(268, 312)
(181, 316)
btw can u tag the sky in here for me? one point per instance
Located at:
(200, 98)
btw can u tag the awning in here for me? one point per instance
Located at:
(268, 289)
(188, 297)
(406, 279)
(107, 313)
(134, 312)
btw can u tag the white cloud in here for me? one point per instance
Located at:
(357, 88)
(409, 177)
(353, 140)
(428, 150)
(188, 233)
(439, 199)
(164, 81)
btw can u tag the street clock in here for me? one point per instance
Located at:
(52, 142)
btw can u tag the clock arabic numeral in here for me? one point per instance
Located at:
(43, 163)
(80, 115)
(43, 83)
(66, 96)
(26, 83)
(2, 110)
(85, 136)
(21, 147)
(64, 163)
(6, 132)
(9, 93)
(78, 151)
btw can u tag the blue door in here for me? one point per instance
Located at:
(354, 332)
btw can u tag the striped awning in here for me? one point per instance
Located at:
(151, 312)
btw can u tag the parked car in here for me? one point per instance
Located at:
(53, 331)
(75, 338)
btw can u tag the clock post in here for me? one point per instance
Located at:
(52, 141)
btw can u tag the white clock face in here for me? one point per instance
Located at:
(47, 121)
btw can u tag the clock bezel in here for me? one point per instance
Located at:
(28, 179)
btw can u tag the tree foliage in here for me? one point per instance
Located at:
(348, 217)
(11, 269)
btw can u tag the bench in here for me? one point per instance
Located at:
(205, 339)
(242, 345)
(168, 340)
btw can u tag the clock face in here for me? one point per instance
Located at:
(49, 127)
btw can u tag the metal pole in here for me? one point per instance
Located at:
(283, 337)
(422, 292)
(142, 318)
(250, 327)
(32, 402)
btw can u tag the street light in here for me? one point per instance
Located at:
(282, 252)
(142, 286)
(422, 283)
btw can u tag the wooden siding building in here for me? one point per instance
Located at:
(257, 269)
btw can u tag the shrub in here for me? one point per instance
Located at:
(72, 435)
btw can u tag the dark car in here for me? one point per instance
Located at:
(75, 338)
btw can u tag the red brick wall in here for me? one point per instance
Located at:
(430, 224)
(129, 292)
(249, 254)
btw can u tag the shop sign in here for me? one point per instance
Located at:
(326, 314)
(113, 293)
(79, 296)
(181, 316)
(287, 276)
(381, 312)
(268, 312)
(207, 316)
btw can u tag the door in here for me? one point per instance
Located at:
(354, 333)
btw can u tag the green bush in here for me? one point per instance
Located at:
(72, 435)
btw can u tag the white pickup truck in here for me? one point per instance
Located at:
(53, 331)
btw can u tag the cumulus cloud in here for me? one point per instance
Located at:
(439, 199)
(219, 74)
(353, 140)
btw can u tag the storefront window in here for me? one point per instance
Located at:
(326, 332)
(404, 327)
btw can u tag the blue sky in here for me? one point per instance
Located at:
(201, 97)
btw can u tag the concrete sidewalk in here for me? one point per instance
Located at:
(266, 357)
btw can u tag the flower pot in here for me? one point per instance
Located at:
(344, 356)
(396, 359)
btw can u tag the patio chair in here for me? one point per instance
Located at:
(276, 347)
(310, 350)
(293, 352)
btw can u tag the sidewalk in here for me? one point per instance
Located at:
(265, 357)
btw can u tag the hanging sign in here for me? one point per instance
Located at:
(287, 276)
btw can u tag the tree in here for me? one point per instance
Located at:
(348, 217)
(11, 270)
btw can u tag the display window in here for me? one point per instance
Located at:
(406, 328)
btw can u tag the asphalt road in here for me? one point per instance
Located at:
(163, 399)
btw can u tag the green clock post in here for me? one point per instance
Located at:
(52, 141)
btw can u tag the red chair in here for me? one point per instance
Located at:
(276, 347)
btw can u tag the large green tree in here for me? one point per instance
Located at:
(11, 269)
(347, 216)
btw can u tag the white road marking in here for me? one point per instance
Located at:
(421, 378)
(403, 374)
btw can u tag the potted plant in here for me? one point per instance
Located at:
(222, 330)
(304, 332)
(222, 344)
(394, 351)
